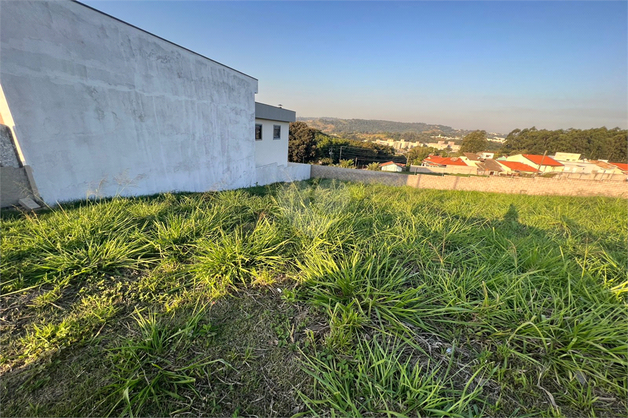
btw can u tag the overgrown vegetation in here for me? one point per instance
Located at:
(317, 298)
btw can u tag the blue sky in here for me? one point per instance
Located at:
(472, 65)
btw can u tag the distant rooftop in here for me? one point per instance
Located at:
(517, 166)
(543, 160)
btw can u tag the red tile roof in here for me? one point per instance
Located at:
(392, 162)
(537, 159)
(621, 166)
(515, 166)
(434, 159)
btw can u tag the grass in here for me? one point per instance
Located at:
(316, 298)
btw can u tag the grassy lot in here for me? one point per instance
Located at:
(316, 298)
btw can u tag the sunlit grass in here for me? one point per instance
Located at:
(406, 302)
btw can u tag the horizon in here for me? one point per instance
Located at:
(495, 66)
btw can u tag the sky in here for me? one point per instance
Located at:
(493, 65)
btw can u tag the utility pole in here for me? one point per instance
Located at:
(340, 158)
(541, 165)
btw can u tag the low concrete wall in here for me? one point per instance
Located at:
(363, 176)
(14, 186)
(495, 184)
(444, 170)
(474, 171)
(273, 173)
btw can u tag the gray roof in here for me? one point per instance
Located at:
(264, 111)
(490, 165)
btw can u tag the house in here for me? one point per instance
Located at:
(590, 167)
(441, 145)
(271, 134)
(489, 167)
(436, 161)
(115, 110)
(622, 167)
(566, 156)
(543, 163)
(515, 167)
(392, 167)
(471, 159)
(475, 159)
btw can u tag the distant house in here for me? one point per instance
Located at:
(436, 161)
(489, 167)
(623, 167)
(590, 167)
(392, 167)
(542, 163)
(474, 159)
(566, 156)
(471, 159)
(441, 145)
(515, 167)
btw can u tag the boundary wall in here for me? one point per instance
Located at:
(275, 173)
(494, 184)
(558, 175)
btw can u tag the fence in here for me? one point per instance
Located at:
(495, 184)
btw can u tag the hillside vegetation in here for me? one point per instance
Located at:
(596, 143)
(316, 298)
(309, 145)
(373, 126)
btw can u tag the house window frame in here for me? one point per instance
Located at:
(275, 128)
(261, 135)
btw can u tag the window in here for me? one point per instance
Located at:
(276, 132)
(258, 132)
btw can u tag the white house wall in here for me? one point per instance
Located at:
(269, 150)
(101, 107)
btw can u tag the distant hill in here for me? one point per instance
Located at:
(370, 126)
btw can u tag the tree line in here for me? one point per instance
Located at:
(593, 144)
(309, 145)
(375, 126)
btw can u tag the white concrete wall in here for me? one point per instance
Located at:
(275, 173)
(103, 108)
(269, 150)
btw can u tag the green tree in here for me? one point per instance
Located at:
(301, 143)
(618, 148)
(417, 154)
(476, 141)
(593, 143)
(346, 163)
(373, 167)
